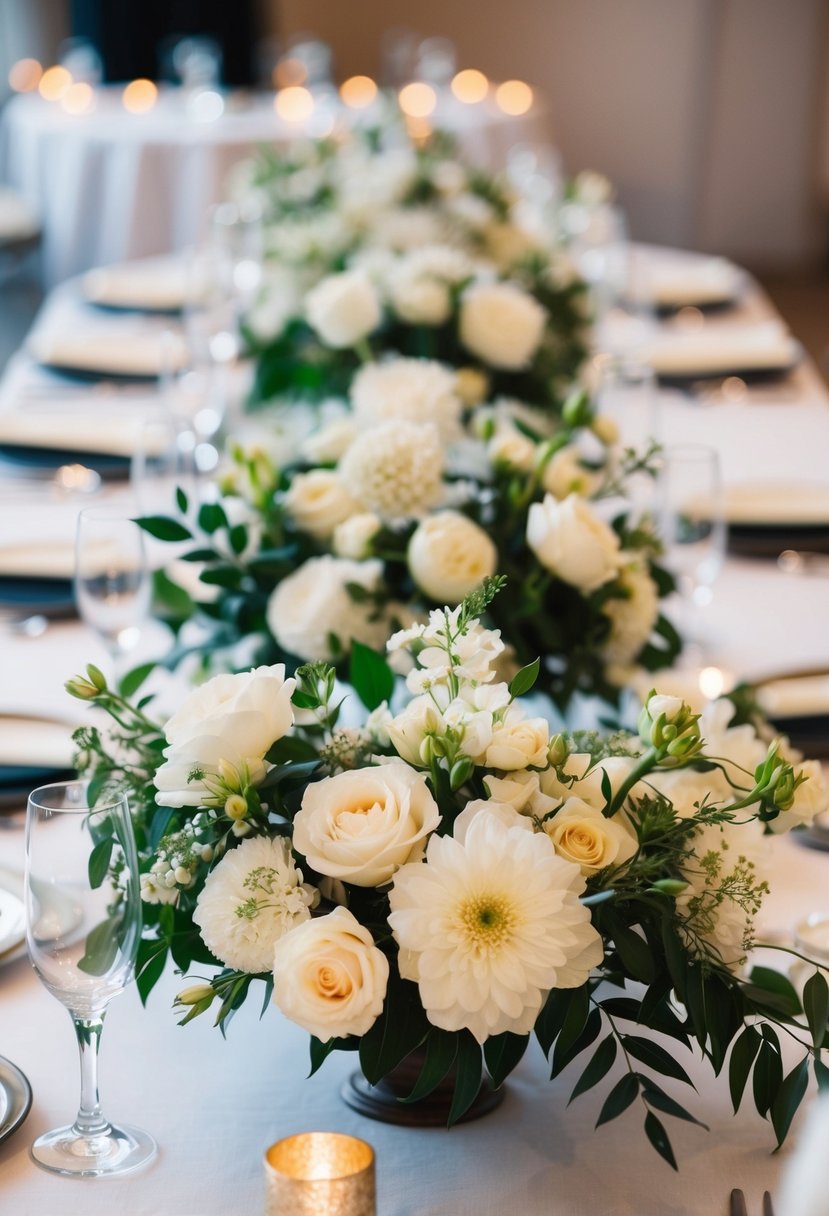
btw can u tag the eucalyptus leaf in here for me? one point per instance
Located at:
(658, 1137)
(623, 1093)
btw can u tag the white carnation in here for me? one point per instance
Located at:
(488, 926)
(501, 324)
(313, 604)
(251, 899)
(343, 309)
(449, 555)
(396, 469)
(412, 390)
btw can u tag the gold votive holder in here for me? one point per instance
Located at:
(319, 1174)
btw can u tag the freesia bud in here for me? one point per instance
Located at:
(194, 994)
(228, 774)
(577, 410)
(558, 751)
(236, 807)
(81, 688)
(96, 677)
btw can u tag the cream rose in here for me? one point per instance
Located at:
(353, 537)
(509, 447)
(313, 604)
(362, 825)
(449, 555)
(518, 743)
(318, 501)
(343, 309)
(583, 835)
(329, 977)
(572, 542)
(810, 798)
(501, 324)
(231, 718)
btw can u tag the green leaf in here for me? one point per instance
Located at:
(743, 1054)
(524, 679)
(768, 1077)
(470, 1067)
(169, 599)
(401, 1027)
(181, 500)
(501, 1054)
(99, 860)
(164, 528)
(657, 1097)
(675, 956)
(603, 1060)
(634, 952)
(788, 1098)
(551, 1019)
(222, 576)
(152, 959)
(238, 537)
(211, 517)
(370, 676)
(655, 1056)
(816, 1006)
(619, 1099)
(133, 680)
(775, 984)
(441, 1053)
(575, 1018)
(321, 1051)
(266, 1000)
(562, 1055)
(101, 946)
(290, 749)
(658, 1137)
(201, 555)
(821, 1075)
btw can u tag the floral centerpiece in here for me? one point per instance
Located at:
(408, 500)
(375, 243)
(447, 878)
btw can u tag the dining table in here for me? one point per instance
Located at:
(215, 1103)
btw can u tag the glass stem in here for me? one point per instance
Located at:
(89, 1122)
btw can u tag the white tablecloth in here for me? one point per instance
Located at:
(215, 1105)
(109, 185)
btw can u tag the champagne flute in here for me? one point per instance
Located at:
(112, 581)
(691, 522)
(83, 924)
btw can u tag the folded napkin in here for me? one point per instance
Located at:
(777, 503)
(795, 697)
(803, 1189)
(718, 350)
(17, 220)
(700, 282)
(35, 742)
(153, 284)
(115, 349)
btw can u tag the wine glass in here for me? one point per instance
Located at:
(691, 523)
(163, 461)
(112, 580)
(83, 924)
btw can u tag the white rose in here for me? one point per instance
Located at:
(353, 537)
(572, 542)
(313, 603)
(501, 324)
(343, 309)
(522, 791)
(362, 825)
(510, 447)
(583, 835)
(318, 501)
(519, 743)
(564, 474)
(589, 777)
(329, 977)
(507, 244)
(231, 718)
(449, 556)
(419, 300)
(409, 728)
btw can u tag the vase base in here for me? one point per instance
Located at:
(379, 1102)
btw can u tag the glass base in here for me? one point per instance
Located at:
(811, 937)
(118, 1150)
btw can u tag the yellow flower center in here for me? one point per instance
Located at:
(487, 921)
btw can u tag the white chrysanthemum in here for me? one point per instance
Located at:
(724, 893)
(254, 897)
(313, 604)
(412, 390)
(396, 469)
(488, 927)
(633, 617)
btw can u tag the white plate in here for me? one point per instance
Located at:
(774, 503)
(146, 285)
(15, 1097)
(11, 883)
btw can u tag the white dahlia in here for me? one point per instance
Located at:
(253, 897)
(488, 926)
(396, 469)
(411, 390)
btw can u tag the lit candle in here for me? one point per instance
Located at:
(418, 99)
(294, 104)
(139, 96)
(78, 98)
(358, 92)
(470, 86)
(24, 76)
(54, 83)
(514, 97)
(320, 1174)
